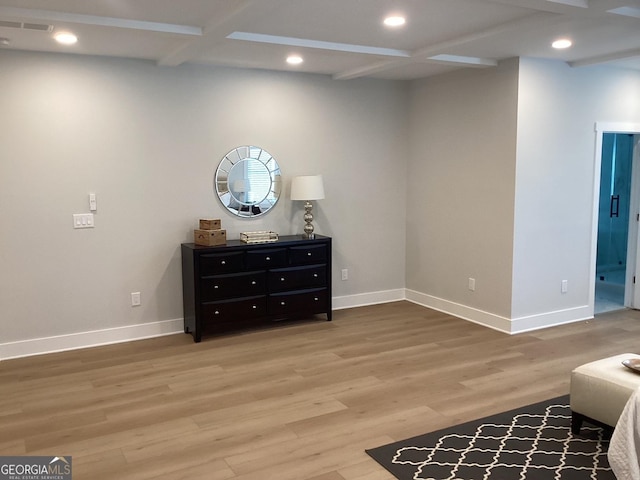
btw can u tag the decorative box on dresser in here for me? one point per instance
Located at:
(227, 286)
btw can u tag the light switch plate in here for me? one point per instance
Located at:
(83, 220)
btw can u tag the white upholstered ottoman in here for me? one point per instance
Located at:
(599, 391)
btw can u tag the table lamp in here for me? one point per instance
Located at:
(307, 188)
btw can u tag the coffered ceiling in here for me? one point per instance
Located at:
(342, 38)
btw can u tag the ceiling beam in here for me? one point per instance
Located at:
(425, 53)
(50, 17)
(609, 57)
(319, 44)
(572, 3)
(371, 69)
(626, 11)
(574, 8)
(215, 30)
(463, 61)
(528, 21)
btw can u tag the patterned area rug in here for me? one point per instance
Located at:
(529, 443)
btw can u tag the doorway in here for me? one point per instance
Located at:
(613, 221)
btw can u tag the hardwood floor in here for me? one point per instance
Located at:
(297, 402)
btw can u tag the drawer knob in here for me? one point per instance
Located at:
(253, 283)
(268, 258)
(223, 262)
(315, 275)
(215, 286)
(316, 298)
(282, 279)
(216, 312)
(282, 303)
(254, 306)
(308, 254)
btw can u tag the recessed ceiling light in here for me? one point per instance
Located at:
(65, 38)
(394, 21)
(294, 60)
(562, 43)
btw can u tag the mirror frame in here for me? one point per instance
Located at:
(238, 169)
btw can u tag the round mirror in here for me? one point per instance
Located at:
(247, 181)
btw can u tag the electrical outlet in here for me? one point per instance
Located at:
(472, 284)
(135, 299)
(345, 274)
(564, 286)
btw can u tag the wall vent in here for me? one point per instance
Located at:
(40, 27)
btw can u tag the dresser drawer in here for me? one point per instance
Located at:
(297, 278)
(223, 262)
(217, 287)
(236, 309)
(308, 254)
(307, 301)
(267, 258)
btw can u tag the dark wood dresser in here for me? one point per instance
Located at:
(227, 286)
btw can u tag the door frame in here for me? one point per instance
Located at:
(632, 246)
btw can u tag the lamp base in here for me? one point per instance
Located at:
(308, 218)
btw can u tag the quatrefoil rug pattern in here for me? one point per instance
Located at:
(531, 443)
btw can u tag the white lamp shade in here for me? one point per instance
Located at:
(307, 187)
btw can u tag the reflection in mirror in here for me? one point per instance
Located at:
(247, 181)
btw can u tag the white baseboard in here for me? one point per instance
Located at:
(74, 341)
(364, 299)
(497, 322)
(39, 346)
(551, 319)
(474, 315)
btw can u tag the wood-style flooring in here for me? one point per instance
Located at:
(300, 401)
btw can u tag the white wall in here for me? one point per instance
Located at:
(432, 165)
(557, 112)
(461, 192)
(517, 219)
(147, 141)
